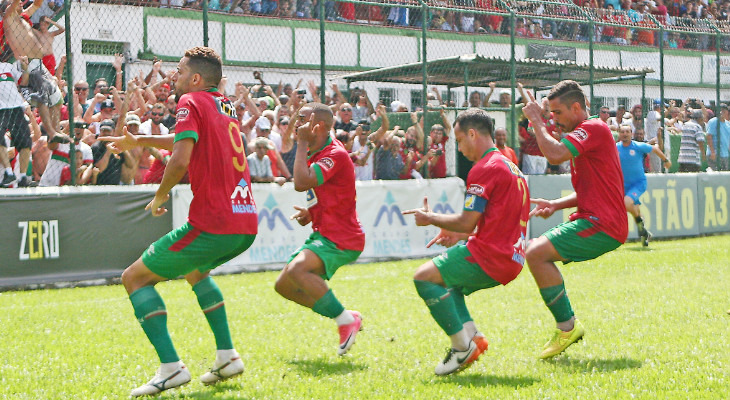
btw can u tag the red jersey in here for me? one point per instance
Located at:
(596, 175)
(497, 188)
(219, 176)
(404, 151)
(332, 202)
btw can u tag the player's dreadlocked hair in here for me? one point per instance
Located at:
(568, 92)
(477, 119)
(206, 62)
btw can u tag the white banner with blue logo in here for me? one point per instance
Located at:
(388, 234)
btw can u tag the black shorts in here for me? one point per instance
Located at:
(13, 120)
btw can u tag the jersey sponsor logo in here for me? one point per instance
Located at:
(225, 107)
(326, 162)
(475, 189)
(469, 202)
(181, 114)
(580, 134)
(242, 200)
(39, 240)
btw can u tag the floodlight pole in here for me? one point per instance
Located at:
(205, 23)
(322, 80)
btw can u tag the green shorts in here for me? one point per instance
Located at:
(458, 273)
(186, 249)
(580, 240)
(332, 257)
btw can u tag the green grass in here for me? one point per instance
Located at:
(656, 328)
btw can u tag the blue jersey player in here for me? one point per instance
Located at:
(631, 153)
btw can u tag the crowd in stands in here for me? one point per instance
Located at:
(629, 19)
(38, 143)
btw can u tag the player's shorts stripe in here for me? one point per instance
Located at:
(185, 240)
(155, 314)
(214, 307)
(570, 147)
(589, 231)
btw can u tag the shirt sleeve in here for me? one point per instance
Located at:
(188, 119)
(583, 139)
(644, 147)
(329, 164)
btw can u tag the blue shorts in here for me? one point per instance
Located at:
(635, 190)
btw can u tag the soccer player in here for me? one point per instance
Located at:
(222, 221)
(600, 224)
(497, 206)
(323, 168)
(631, 153)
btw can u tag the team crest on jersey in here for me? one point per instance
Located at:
(580, 134)
(632, 153)
(475, 189)
(181, 114)
(327, 162)
(242, 200)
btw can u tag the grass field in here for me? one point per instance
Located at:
(656, 328)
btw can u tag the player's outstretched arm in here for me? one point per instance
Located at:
(129, 141)
(465, 222)
(546, 208)
(447, 238)
(656, 150)
(175, 169)
(303, 217)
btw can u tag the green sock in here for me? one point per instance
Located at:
(152, 315)
(556, 299)
(460, 305)
(328, 305)
(211, 302)
(441, 304)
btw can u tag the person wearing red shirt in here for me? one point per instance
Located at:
(500, 140)
(323, 168)
(494, 224)
(599, 225)
(222, 221)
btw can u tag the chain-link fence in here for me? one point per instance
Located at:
(112, 67)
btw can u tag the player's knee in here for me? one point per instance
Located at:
(281, 282)
(425, 272)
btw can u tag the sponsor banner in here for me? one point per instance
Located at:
(65, 234)
(672, 205)
(543, 52)
(388, 234)
(709, 69)
(714, 206)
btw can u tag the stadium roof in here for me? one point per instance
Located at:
(477, 71)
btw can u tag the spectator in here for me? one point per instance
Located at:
(12, 119)
(344, 119)
(653, 134)
(363, 109)
(45, 37)
(364, 145)
(260, 163)
(692, 147)
(388, 161)
(61, 153)
(109, 164)
(500, 137)
(439, 135)
(154, 125)
(718, 140)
